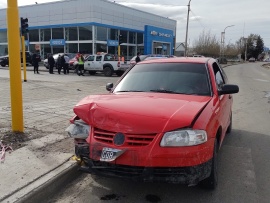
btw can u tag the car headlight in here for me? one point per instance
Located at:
(78, 130)
(183, 138)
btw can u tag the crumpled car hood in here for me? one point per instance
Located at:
(140, 112)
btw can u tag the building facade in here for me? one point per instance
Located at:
(92, 26)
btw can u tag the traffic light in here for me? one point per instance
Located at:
(120, 39)
(24, 26)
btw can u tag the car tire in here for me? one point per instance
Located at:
(108, 71)
(3, 65)
(229, 129)
(92, 72)
(212, 181)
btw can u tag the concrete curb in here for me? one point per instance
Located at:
(52, 186)
(47, 185)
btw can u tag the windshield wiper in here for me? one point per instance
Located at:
(164, 91)
(130, 91)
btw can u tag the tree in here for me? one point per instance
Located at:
(253, 45)
(207, 44)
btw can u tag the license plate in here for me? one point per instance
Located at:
(110, 154)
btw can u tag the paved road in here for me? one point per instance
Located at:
(243, 161)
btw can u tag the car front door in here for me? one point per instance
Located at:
(98, 63)
(90, 64)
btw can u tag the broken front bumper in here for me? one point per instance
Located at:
(180, 175)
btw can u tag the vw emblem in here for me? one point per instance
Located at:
(119, 139)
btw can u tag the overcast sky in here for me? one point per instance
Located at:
(247, 16)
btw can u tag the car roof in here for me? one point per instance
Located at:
(178, 60)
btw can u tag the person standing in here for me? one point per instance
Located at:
(51, 62)
(35, 61)
(80, 60)
(59, 64)
(66, 66)
(138, 59)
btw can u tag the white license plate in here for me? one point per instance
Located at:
(110, 154)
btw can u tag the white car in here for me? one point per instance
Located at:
(55, 56)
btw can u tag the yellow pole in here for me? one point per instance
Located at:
(118, 50)
(14, 65)
(24, 61)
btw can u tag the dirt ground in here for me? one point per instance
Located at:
(17, 140)
(267, 65)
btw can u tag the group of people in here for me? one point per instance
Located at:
(61, 63)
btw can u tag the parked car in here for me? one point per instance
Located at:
(164, 120)
(108, 64)
(147, 57)
(55, 56)
(252, 59)
(4, 60)
(222, 60)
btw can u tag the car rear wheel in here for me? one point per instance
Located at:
(108, 71)
(119, 73)
(212, 180)
(3, 65)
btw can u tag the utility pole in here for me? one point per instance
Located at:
(223, 42)
(186, 46)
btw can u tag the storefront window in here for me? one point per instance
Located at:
(3, 36)
(113, 50)
(72, 34)
(132, 38)
(45, 34)
(72, 47)
(124, 34)
(85, 48)
(46, 50)
(3, 50)
(102, 48)
(34, 35)
(101, 33)
(112, 34)
(131, 52)
(85, 33)
(139, 38)
(57, 33)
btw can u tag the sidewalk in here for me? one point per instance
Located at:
(42, 155)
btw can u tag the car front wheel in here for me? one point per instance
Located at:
(212, 181)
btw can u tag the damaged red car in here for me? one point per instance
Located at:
(164, 120)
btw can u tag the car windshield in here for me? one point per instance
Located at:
(176, 78)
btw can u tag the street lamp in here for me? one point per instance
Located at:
(187, 29)
(223, 41)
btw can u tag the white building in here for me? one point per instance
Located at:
(92, 26)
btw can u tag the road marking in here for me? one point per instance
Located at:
(261, 80)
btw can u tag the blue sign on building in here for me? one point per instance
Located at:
(158, 35)
(57, 42)
(112, 43)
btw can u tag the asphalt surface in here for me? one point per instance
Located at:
(243, 160)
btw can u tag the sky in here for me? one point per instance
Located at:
(244, 16)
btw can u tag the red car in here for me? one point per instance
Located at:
(164, 120)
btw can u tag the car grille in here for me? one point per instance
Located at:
(131, 139)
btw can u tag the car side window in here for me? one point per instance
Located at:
(98, 58)
(91, 58)
(218, 75)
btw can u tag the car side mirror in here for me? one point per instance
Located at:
(228, 89)
(109, 86)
